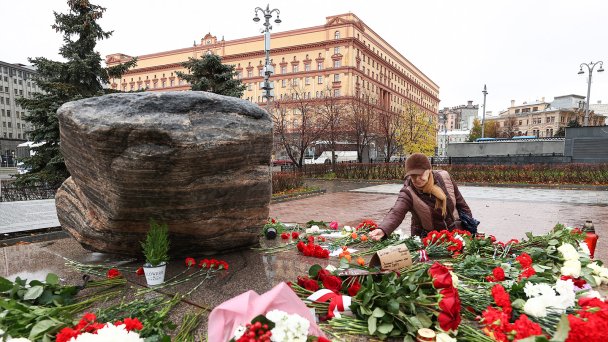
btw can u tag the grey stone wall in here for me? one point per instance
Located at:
(504, 148)
(587, 144)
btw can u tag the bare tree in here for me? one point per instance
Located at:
(297, 123)
(510, 126)
(387, 127)
(331, 111)
(359, 122)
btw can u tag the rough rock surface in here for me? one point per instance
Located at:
(197, 161)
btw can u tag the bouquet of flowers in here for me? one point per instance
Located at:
(88, 329)
(395, 305)
(276, 325)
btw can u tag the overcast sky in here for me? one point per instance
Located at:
(522, 49)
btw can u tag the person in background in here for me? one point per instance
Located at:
(431, 196)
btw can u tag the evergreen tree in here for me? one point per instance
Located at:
(561, 132)
(81, 76)
(209, 74)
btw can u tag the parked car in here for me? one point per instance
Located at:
(280, 162)
(21, 169)
(341, 157)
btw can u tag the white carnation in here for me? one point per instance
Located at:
(291, 328)
(443, 337)
(571, 268)
(568, 251)
(348, 228)
(20, 339)
(564, 287)
(592, 294)
(535, 307)
(536, 290)
(109, 332)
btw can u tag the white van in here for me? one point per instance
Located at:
(341, 157)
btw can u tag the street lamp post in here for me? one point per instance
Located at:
(483, 117)
(445, 133)
(268, 69)
(590, 68)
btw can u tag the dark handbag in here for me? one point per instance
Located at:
(468, 223)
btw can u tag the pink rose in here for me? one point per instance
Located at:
(333, 225)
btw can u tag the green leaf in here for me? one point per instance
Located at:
(314, 270)
(553, 242)
(5, 284)
(393, 307)
(367, 297)
(424, 320)
(33, 292)
(52, 279)
(41, 327)
(378, 312)
(371, 324)
(534, 339)
(385, 328)
(562, 330)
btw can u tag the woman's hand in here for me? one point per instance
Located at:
(376, 234)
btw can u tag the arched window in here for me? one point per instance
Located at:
(337, 35)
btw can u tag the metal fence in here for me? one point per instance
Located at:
(10, 192)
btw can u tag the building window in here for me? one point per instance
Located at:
(306, 67)
(283, 83)
(319, 79)
(283, 70)
(260, 72)
(337, 64)
(337, 78)
(534, 109)
(249, 87)
(164, 84)
(171, 83)
(336, 92)
(295, 82)
(337, 35)
(249, 73)
(337, 50)
(516, 111)
(307, 81)
(295, 68)
(319, 67)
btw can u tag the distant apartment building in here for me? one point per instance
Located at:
(599, 108)
(543, 119)
(15, 82)
(454, 125)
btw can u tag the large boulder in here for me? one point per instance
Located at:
(197, 161)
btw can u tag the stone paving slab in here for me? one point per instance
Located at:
(27, 215)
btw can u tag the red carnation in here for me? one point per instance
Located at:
(526, 328)
(502, 299)
(140, 271)
(578, 282)
(332, 283)
(284, 236)
(204, 263)
(525, 260)
(354, 289)
(527, 273)
(323, 339)
(499, 274)
(132, 324)
(300, 246)
(113, 273)
(295, 235)
(190, 262)
(66, 334)
(224, 264)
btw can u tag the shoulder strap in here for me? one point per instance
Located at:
(447, 180)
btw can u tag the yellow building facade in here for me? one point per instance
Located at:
(343, 56)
